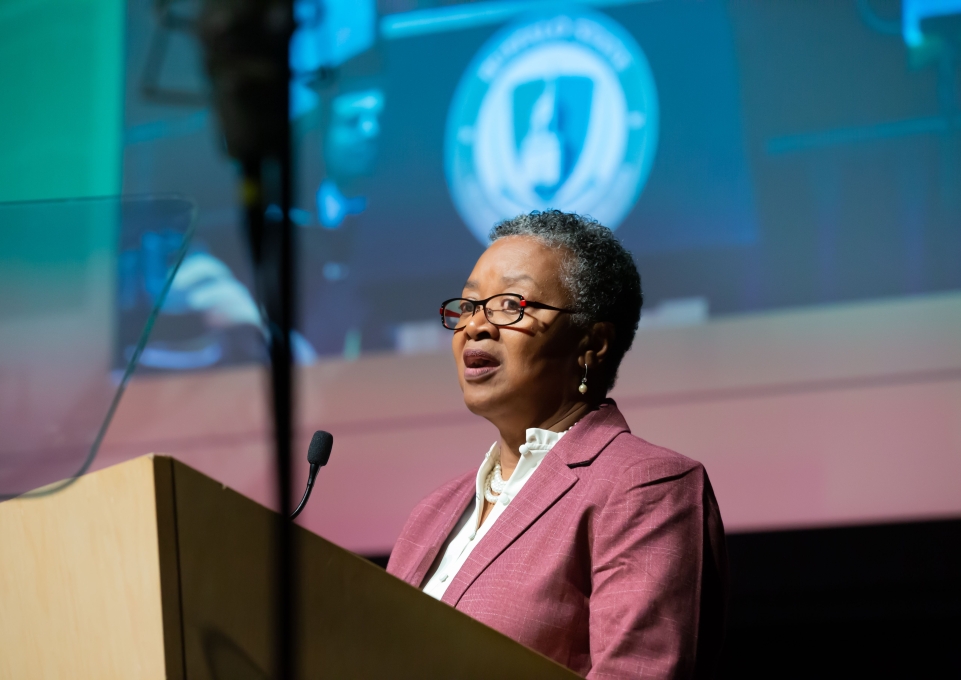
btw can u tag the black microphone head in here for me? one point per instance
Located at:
(320, 446)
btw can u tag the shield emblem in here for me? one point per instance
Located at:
(557, 110)
(551, 119)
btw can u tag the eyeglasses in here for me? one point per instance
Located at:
(501, 310)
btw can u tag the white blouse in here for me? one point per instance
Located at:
(469, 531)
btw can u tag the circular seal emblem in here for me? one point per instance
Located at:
(555, 111)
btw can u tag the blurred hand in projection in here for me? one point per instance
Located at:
(207, 285)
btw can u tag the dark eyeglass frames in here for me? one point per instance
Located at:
(503, 309)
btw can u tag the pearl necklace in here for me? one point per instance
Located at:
(494, 485)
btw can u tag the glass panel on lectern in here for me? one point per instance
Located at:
(81, 284)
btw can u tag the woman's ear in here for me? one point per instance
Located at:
(596, 345)
(602, 337)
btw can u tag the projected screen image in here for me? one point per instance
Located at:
(745, 167)
(787, 176)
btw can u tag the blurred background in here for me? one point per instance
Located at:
(787, 176)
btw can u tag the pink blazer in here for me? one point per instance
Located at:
(610, 560)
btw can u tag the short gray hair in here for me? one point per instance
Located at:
(600, 273)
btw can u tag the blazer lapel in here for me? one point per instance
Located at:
(549, 483)
(447, 516)
(591, 435)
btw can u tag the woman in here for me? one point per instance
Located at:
(575, 538)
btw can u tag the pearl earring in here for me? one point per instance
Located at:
(582, 388)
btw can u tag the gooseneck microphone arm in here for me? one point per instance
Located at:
(310, 485)
(317, 455)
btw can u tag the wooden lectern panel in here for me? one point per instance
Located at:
(149, 569)
(88, 579)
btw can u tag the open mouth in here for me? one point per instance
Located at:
(479, 364)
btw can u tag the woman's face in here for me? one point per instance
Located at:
(528, 371)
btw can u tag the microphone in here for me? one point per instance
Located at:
(318, 453)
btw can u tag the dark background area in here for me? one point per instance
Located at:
(844, 602)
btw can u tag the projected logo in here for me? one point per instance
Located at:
(555, 111)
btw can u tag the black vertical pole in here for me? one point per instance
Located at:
(246, 44)
(279, 302)
(272, 235)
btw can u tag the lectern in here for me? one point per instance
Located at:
(150, 569)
